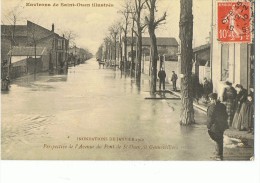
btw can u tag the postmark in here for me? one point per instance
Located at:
(234, 22)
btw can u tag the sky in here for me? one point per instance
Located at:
(90, 24)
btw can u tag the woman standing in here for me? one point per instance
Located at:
(247, 114)
(240, 99)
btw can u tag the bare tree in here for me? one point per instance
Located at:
(132, 41)
(99, 54)
(152, 24)
(113, 30)
(10, 19)
(33, 42)
(70, 36)
(126, 15)
(138, 7)
(107, 42)
(186, 36)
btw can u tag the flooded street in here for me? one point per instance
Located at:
(97, 114)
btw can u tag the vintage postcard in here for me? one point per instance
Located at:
(128, 80)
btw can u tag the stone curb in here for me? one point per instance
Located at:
(203, 109)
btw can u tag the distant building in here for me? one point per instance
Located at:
(77, 55)
(167, 47)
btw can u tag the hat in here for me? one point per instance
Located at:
(228, 83)
(213, 96)
(239, 86)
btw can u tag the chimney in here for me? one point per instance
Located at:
(52, 27)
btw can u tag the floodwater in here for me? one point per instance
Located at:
(98, 114)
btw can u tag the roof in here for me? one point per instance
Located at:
(27, 51)
(202, 47)
(161, 41)
(20, 30)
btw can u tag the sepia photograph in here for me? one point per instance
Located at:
(127, 80)
(129, 84)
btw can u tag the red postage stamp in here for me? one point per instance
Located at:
(234, 22)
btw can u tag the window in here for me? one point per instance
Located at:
(59, 44)
(224, 62)
(63, 43)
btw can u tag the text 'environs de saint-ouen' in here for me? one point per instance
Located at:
(95, 5)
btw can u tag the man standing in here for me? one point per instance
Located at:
(174, 80)
(162, 76)
(217, 123)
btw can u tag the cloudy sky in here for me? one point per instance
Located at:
(90, 24)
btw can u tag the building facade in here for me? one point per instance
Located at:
(167, 47)
(233, 62)
(35, 36)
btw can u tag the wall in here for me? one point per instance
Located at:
(18, 69)
(169, 67)
(244, 65)
(237, 57)
(5, 47)
(31, 65)
(216, 55)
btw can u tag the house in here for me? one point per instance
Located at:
(33, 35)
(77, 55)
(167, 47)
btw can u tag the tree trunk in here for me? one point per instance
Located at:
(154, 52)
(139, 55)
(106, 52)
(125, 51)
(132, 49)
(154, 58)
(35, 63)
(186, 36)
(120, 52)
(115, 52)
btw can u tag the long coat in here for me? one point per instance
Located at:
(247, 115)
(229, 97)
(217, 118)
(162, 75)
(240, 99)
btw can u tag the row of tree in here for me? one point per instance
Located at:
(139, 15)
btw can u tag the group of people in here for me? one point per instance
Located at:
(201, 91)
(240, 107)
(162, 77)
(236, 111)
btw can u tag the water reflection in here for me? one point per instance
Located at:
(95, 102)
